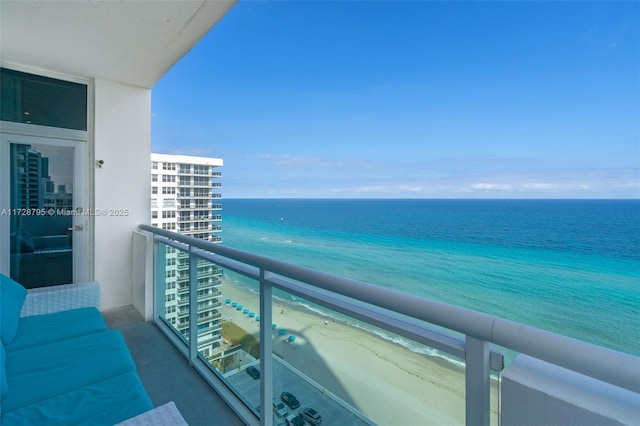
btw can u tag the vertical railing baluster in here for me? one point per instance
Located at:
(159, 279)
(266, 343)
(477, 385)
(193, 306)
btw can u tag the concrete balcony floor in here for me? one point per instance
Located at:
(166, 374)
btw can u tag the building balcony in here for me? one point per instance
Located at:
(200, 197)
(208, 340)
(194, 218)
(212, 305)
(193, 206)
(403, 357)
(203, 318)
(209, 296)
(198, 173)
(166, 372)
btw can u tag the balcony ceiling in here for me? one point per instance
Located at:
(133, 42)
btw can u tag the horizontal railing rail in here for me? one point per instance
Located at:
(407, 314)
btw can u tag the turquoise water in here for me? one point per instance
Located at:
(571, 266)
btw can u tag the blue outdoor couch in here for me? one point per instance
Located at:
(59, 364)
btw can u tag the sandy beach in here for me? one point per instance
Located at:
(387, 382)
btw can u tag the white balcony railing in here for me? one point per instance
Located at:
(469, 335)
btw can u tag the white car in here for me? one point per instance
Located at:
(295, 420)
(311, 416)
(278, 408)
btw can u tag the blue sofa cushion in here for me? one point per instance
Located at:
(12, 297)
(42, 329)
(4, 387)
(45, 371)
(107, 402)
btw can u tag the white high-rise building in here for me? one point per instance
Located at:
(184, 198)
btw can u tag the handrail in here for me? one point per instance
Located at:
(617, 368)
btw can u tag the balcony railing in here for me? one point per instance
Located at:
(475, 338)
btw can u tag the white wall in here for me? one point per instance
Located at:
(534, 392)
(122, 139)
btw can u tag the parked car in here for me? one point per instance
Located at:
(290, 400)
(311, 416)
(295, 420)
(279, 409)
(253, 372)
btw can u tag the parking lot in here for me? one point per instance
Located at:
(332, 410)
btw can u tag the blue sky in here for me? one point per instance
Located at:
(412, 100)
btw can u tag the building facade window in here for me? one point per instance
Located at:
(168, 190)
(168, 166)
(168, 178)
(35, 99)
(154, 190)
(201, 181)
(200, 170)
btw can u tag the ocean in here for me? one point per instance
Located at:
(567, 266)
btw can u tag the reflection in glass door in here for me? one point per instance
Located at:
(43, 222)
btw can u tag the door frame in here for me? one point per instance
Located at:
(43, 135)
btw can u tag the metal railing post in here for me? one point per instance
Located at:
(193, 306)
(266, 343)
(159, 278)
(477, 383)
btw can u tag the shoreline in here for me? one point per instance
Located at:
(385, 380)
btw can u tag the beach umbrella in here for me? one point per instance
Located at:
(257, 318)
(239, 307)
(273, 326)
(227, 301)
(252, 314)
(291, 338)
(234, 304)
(282, 332)
(245, 311)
